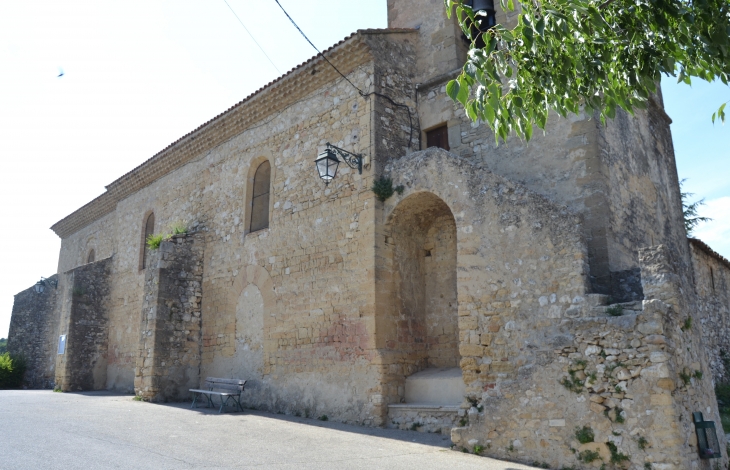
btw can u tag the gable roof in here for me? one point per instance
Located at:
(272, 98)
(702, 246)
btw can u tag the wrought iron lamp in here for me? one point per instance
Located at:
(485, 9)
(327, 162)
(40, 286)
(486, 19)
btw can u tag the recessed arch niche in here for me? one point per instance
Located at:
(418, 325)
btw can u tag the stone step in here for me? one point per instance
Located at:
(424, 417)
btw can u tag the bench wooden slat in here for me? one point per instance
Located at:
(212, 386)
(231, 389)
(225, 381)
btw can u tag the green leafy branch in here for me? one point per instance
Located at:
(584, 55)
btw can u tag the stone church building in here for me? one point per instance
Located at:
(507, 295)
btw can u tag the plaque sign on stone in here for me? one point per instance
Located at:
(62, 344)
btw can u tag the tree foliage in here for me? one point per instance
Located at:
(689, 210)
(12, 370)
(3, 345)
(598, 54)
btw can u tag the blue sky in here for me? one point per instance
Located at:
(140, 74)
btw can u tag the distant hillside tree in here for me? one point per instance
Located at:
(689, 210)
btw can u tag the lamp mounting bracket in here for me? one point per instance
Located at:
(353, 160)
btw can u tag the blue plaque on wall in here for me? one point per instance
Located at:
(62, 344)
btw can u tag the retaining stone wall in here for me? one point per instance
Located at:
(170, 343)
(84, 319)
(33, 328)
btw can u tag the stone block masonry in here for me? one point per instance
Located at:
(84, 321)
(33, 328)
(170, 345)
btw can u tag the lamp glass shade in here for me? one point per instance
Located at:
(327, 164)
(40, 287)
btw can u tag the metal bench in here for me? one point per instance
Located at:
(225, 389)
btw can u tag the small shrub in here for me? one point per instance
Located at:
(12, 370)
(687, 324)
(615, 311)
(648, 466)
(698, 374)
(511, 448)
(642, 442)
(584, 434)
(593, 376)
(478, 449)
(415, 426)
(619, 416)
(463, 422)
(323, 418)
(589, 456)
(57, 390)
(138, 398)
(383, 188)
(154, 240)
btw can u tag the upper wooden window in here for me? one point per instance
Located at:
(438, 137)
(260, 199)
(92, 257)
(149, 229)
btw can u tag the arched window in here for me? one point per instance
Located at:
(149, 229)
(260, 199)
(92, 257)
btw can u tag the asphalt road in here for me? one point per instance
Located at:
(89, 431)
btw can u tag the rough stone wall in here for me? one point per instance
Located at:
(307, 239)
(395, 124)
(712, 284)
(84, 320)
(520, 267)
(439, 48)
(621, 178)
(170, 343)
(633, 379)
(642, 195)
(33, 327)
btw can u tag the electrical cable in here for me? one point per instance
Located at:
(363, 94)
(254, 39)
(318, 51)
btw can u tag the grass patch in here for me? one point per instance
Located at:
(589, 456)
(615, 311)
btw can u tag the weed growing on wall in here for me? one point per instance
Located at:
(584, 434)
(383, 188)
(153, 241)
(615, 311)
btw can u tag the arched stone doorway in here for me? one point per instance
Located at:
(418, 325)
